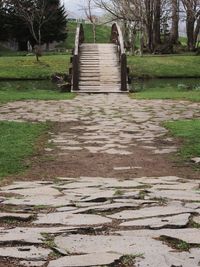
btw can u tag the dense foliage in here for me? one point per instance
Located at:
(35, 21)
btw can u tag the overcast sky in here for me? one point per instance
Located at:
(75, 6)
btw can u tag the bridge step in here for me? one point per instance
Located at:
(99, 69)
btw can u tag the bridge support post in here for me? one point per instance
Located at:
(117, 38)
(123, 72)
(75, 75)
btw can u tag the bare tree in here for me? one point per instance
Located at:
(88, 8)
(192, 9)
(174, 34)
(146, 14)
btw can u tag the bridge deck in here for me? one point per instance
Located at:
(99, 69)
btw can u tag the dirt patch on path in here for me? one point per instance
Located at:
(141, 162)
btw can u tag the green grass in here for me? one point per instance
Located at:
(17, 142)
(165, 66)
(169, 92)
(26, 67)
(103, 34)
(189, 131)
(183, 40)
(16, 65)
(31, 90)
(177, 244)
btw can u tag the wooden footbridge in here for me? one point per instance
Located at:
(99, 68)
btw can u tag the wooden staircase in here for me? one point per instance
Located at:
(99, 68)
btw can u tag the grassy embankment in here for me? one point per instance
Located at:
(171, 66)
(102, 34)
(27, 68)
(189, 132)
(18, 141)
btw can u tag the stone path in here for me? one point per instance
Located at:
(81, 220)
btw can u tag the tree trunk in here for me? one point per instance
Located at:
(133, 41)
(190, 24)
(156, 23)
(94, 31)
(197, 33)
(149, 21)
(174, 36)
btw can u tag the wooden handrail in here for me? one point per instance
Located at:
(79, 39)
(117, 38)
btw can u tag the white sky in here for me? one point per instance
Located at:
(75, 6)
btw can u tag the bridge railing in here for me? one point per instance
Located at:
(117, 38)
(79, 39)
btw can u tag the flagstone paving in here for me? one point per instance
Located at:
(117, 223)
(134, 219)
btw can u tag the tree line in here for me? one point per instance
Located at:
(156, 21)
(33, 21)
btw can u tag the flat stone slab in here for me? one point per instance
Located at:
(150, 212)
(113, 151)
(189, 235)
(166, 150)
(49, 201)
(150, 252)
(196, 160)
(196, 219)
(25, 252)
(171, 259)
(159, 180)
(81, 244)
(31, 189)
(186, 195)
(192, 205)
(29, 235)
(71, 219)
(126, 168)
(161, 222)
(85, 260)
(180, 186)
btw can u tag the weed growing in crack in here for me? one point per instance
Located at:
(49, 240)
(126, 260)
(130, 259)
(195, 225)
(160, 200)
(143, 194)
(118, 192)
(176, 243)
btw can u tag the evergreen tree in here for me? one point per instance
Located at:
(35, 21)
(3, 23)
(55, 28)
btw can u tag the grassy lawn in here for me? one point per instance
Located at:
(31, 90)
(102, 34)
(168, 92)
(17, 143)
(165, 66)
(26, 67)
(183, 40)
(189, 131)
